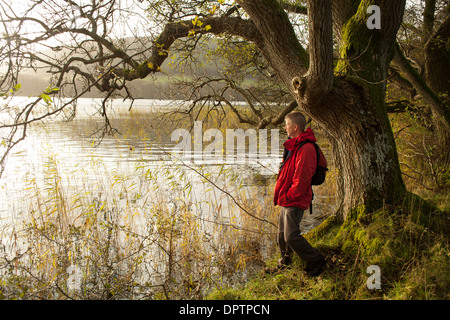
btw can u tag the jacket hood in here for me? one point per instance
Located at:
(307, 135)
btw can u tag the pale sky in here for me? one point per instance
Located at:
(132, 23)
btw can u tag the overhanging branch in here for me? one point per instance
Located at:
(177, 30)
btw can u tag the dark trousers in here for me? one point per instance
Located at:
(290, 238)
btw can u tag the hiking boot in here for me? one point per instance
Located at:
(316, 268)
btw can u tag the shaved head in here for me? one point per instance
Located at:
(297, 118)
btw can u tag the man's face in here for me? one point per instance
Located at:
(291, 129)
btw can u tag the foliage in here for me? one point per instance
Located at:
(424, 165)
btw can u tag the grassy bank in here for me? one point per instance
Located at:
(409, 242)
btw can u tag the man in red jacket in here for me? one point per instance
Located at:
(293, 192)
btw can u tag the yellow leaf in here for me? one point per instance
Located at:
(150, 65)
(213, 10)
(208, 27)
(46, 98)
(191, 33)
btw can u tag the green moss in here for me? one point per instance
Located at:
(321, 230)
(226, 293)
(358, 41)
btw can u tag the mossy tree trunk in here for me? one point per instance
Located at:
(363, 141)
(363, 147)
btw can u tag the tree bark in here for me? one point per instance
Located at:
(363, 147)
(320, 74)
(428, 18)
(437, 58)
(279, 43)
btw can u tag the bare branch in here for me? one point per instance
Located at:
(421, 86)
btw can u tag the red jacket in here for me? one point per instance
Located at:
(293, 187)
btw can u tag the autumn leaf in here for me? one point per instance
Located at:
(213, 10)
(194, 22)
(46, 98)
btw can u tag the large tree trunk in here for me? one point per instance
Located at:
(350, 108)
(360, 131)
(363, 146)
(353, 112)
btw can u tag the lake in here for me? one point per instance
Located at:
(144, 184)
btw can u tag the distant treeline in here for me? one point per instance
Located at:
(35, 84)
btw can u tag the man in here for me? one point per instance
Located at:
(293, 192)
